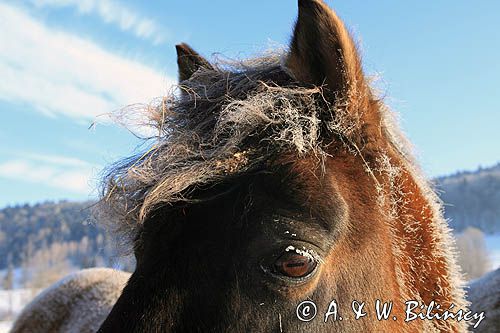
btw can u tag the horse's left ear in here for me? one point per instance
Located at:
(189, 61)
(322, 50)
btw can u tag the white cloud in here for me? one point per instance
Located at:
(67, 173)
(115, 13)
(57, 159)
(59, 73)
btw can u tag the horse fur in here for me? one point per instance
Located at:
(78, 303)
(484, 295)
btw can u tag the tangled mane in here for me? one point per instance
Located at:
(224, 122)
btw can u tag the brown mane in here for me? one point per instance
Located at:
(203, 134)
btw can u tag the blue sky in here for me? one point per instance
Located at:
(64, 63)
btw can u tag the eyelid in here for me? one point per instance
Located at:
(299, 228)
(305, 252)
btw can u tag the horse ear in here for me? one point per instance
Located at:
(322, 51)
(189, 61)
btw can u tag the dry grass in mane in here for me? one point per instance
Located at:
(226, 122)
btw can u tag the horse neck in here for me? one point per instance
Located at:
(421, 238)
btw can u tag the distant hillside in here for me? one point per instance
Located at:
(472, 199)
(52, 231)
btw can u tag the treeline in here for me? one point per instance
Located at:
(53, 237)
(472, 199)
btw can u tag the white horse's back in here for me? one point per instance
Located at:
(78, 303)
(484, 295)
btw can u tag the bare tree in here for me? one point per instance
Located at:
(8, 284)
(49, 264)
(473, 255)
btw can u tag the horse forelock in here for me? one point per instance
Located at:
(222, 123)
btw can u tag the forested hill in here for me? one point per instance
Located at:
(52, 231)
(472, 199)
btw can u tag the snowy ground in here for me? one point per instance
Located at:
(11, 303)
(5, 326)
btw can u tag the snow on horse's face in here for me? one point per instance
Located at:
(276, 181)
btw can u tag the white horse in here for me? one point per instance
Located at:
(78, 303)
(484, 295)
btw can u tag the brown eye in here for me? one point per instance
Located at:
(294, 265)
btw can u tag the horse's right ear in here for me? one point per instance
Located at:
(322, 51)
(189, 61)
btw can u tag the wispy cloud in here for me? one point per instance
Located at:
(60, 172)
(63, 161)
(115, 13)
(60, 73)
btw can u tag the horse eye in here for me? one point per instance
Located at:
(294, 265)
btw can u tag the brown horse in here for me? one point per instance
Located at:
(275, 181)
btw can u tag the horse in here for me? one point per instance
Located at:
(78, 303)
(279, 195)
(484, 296)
